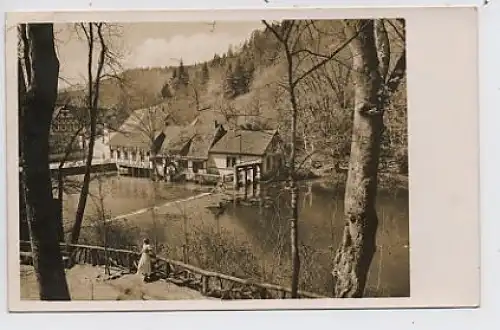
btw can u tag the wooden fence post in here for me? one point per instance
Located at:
(204, 285)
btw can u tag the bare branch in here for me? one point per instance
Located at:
(401, 34)
(69, 147)
(325, 60)
(383, 47)
(274, 32)
(396, 76)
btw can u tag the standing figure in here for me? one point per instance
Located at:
(144, 267)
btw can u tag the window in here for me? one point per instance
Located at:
(118, 154)
(199, 165)
(230, 161)
(183, 164)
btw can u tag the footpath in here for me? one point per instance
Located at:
(87, 282)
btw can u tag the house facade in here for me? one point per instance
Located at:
(187, 148)
(244, 146)
(68, 124)
(65, 124)
(138, 140)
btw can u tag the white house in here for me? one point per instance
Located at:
(240, 146)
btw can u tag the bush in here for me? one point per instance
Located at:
(119, 234)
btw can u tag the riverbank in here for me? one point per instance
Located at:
(388, 183)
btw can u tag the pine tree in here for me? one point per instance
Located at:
(239, 79)
(228, 83)
(216, 60)
(182, 76)
(205, 74)
(249, 72)
(166, 92)
(230, 52)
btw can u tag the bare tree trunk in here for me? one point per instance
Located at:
(60, 175)
(102, 213)
(92, 101)
(42, 68)
(293, 185)
(154, 166)
(353, 258)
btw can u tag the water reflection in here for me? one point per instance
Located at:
(320, 232)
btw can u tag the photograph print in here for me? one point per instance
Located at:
(213, 160)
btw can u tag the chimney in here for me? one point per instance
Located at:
(216, 124)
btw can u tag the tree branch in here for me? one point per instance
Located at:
(383, 48)
(326, 59)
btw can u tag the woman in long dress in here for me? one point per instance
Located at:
(144, 267)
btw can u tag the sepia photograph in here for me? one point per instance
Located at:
(212, 160)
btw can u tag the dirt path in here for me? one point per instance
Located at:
(86, 283)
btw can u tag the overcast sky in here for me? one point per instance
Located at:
(152, 44)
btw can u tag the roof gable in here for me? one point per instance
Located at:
(139, 130)
(246, 142)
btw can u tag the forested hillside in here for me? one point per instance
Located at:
(248, 86)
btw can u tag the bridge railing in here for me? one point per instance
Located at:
(134, 163)
(209, 283)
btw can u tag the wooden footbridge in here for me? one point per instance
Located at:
(210, 284)
(78, 167)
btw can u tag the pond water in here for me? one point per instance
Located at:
(260, 232)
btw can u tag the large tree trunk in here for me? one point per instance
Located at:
(354, 256)
(37, 108)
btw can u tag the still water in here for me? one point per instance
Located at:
(263, 230)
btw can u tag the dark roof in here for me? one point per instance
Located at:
(130, 140)
(176, 138)
(137, 130)
(252, 142)
(195, 139)
(203, 140)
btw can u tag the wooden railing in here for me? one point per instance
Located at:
(209, 283)
(144, 164)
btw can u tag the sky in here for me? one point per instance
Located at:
(151, 44)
